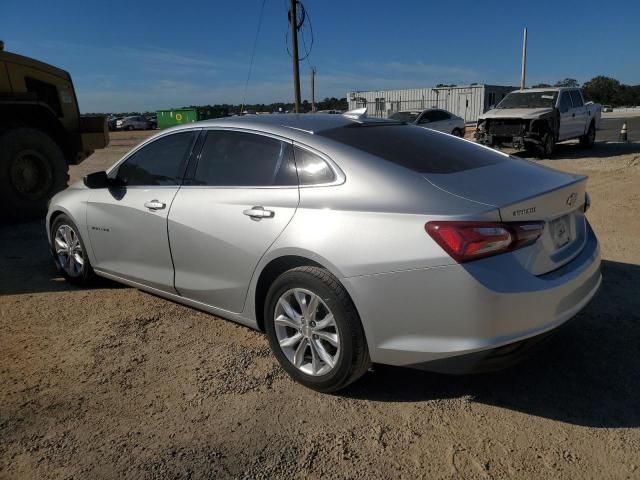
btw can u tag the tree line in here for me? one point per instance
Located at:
(602, 89)
(332, 103)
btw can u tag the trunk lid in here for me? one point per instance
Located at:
(523, 191)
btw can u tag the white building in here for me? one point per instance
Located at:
(468, 102)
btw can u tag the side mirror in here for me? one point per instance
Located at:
(101, 180)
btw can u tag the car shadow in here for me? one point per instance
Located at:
(572, 150)
(27, 266)
(587, 374)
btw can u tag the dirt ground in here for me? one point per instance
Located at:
(115, 383)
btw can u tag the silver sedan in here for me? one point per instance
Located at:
(347, 240)
(433, 118)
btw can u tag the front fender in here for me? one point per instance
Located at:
(73, 203)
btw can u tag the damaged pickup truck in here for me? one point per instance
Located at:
(537, 118)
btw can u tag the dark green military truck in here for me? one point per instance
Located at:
(41, 134)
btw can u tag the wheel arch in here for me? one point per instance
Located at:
(277, 266)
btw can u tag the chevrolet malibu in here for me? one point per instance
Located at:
(347, 240)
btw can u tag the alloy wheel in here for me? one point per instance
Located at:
(306, 331)
(69, 250)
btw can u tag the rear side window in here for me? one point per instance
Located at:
(239, 159)
(576, 98)
(312, 170)
(159, 163)
(416, 148)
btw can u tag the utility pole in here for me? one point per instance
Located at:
(313, 89)
(523, 74)
(293, 21)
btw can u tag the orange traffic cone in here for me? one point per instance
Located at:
(623, 133)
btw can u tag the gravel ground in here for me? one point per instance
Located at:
(115, 383)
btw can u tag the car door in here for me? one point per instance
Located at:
(238, 198)
(578, 113)
(567, 126)
(128, 225)
(445, 121)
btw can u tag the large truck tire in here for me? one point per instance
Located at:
(32, 170)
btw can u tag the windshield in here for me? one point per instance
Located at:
(408, 117)
(529, 100)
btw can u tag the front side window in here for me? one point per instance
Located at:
(239, 159)
(576, 98)
(565, 102)
(159, 163)
(312, 170)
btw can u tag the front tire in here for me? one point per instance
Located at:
(32, 170)
(69, 252)
(314, 329)
(548, 145)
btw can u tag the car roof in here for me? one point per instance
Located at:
(548, 89)
(279, 123)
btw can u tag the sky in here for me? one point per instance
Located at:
(139, 56)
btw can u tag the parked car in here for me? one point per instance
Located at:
(347, 240)
(537, 118)
(136, 122)
(433, 118)
(112, 122)
(607, 108)
(153, 122)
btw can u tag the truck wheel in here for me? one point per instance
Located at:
(546, 149)
(32, 170)
(457, 132)
(590, 138)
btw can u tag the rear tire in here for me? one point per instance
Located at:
(32, 170)
(67, 248)
(589, 139)
(349, 360)
(457, 132)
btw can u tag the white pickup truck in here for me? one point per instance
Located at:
(537, 118)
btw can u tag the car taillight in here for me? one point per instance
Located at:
(465, 241)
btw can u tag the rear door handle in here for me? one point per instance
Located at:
(257, 213)
(155, 205)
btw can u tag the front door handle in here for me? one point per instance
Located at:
(257, 213)
(155, 205)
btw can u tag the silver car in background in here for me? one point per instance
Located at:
(136, 122)
(433, 118)
(347, 240)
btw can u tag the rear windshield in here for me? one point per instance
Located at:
(408, 117)
(416, 148)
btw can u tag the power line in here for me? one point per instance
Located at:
(253, 53)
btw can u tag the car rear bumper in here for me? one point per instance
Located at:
(426, 318)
